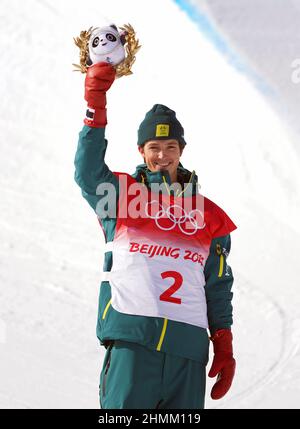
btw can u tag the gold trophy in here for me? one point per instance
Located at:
(108, 44)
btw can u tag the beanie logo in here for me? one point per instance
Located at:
(162, 130)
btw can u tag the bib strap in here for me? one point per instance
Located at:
(108, 247)
(105, 276)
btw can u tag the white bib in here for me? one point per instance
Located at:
(156, 279)
(159, 257)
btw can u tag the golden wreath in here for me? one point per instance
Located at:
(131, 47)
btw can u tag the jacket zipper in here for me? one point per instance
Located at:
(105, 375)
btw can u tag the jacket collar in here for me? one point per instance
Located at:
(188, 180)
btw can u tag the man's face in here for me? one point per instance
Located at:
(162, 155)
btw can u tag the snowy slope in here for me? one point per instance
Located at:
(51, 245)
(266, 35)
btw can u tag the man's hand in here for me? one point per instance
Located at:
(223, 364)
(99, 79)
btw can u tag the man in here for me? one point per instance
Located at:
(165, 278)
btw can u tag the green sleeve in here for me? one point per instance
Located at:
(219, 280)
(91, 170)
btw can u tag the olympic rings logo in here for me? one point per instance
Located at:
(188, 223)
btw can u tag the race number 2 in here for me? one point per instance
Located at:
(178, 280)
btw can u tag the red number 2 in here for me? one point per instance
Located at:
(167, 295)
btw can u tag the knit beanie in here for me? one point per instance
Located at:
(160, 123)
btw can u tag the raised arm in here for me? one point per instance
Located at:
(91, 172)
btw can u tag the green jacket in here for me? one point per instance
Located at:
(169, 336)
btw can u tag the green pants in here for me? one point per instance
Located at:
(135, 377)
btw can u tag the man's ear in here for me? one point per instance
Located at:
(142, 152)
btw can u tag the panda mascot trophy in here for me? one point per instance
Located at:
(108, 44)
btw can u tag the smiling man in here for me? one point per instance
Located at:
(161, 140)
(166, 281)
(162, 155)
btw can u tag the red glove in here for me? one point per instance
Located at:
(223, 364)
(99, 78)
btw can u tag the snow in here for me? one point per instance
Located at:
(268, 40)
(51, 244)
